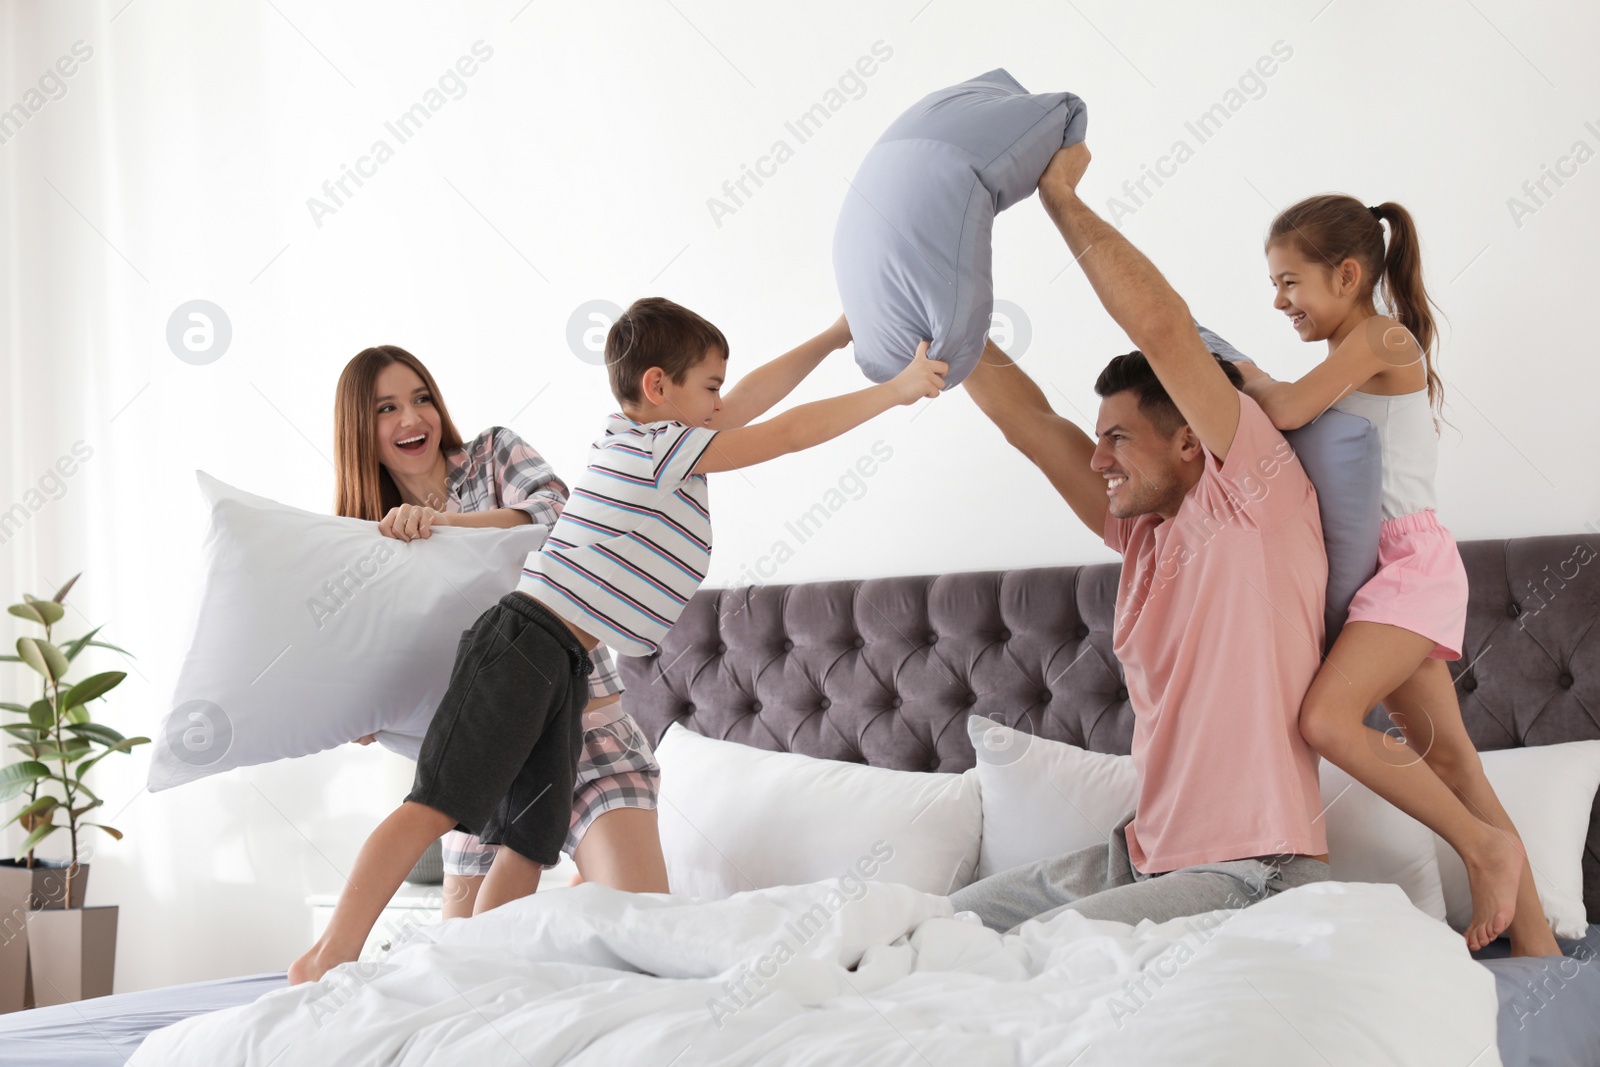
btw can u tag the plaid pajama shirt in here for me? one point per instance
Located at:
(497, 469)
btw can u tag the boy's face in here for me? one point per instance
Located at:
(696, 399)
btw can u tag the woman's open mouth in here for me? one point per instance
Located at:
(413, 446)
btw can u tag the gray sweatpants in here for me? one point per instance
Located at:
(1100, 882)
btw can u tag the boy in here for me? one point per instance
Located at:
(501, 753)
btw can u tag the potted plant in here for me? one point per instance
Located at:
(68, 950)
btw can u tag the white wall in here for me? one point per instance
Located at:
(578, 166)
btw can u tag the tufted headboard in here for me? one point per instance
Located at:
(885, 671)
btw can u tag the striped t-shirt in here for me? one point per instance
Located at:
(635, 539)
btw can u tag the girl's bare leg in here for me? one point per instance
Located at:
(381, 865)
(1426, 707)
(1367, 663)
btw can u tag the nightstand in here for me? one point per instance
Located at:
(413, 905)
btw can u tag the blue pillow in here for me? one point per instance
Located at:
(911, 251)
(1341, 456)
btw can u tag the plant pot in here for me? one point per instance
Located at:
(24, 888)
(46, 882)
(14, 892)
(72, 953)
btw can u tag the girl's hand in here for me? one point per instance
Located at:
(922, 377)
(410, 521)
(366, 739)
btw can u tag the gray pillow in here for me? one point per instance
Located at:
(911, 251)
(1341, 456)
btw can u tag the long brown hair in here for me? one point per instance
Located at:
(363, 488)
(1333, 228)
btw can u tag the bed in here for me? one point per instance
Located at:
(885, 672)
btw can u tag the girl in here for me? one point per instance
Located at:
(401, 462)
(1326, 258)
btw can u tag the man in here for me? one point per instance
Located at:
(1219, 608)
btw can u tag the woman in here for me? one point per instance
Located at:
(401, 462)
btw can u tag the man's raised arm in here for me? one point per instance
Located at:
(1148, 309)
(1058, 448)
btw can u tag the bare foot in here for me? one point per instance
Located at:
(318, 960)
(1539, 942)
(1494, 875)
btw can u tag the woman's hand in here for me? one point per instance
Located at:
(411, 521)
(366, 739)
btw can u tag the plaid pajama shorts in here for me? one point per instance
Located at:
(617, 770)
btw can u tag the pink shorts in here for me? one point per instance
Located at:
(1421, 584)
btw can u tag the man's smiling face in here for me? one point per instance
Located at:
(1145, 470)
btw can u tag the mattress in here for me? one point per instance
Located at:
(105, 1031)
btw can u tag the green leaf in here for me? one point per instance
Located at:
(38, 807)
(76, 812)
(39, 834)
(96, 732)
(10, 659)
(8, 706)
(29, 612)
(61, 594)
(17, 777)
(71, 751)
(113, 831)
(93, 687)
(122, 746)
(43, 657)
(41, 714)
(76, 645)
(51, 611)
(114, 648)
(79, 787)
(25, 730)
(125, 745)
(76, 716)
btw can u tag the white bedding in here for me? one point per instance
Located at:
(1335, 973)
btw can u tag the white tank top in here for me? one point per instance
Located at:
(1409, 445)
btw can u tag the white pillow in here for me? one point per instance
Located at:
(1371, 840)
(1043, 798)
(735, 818)
(314, 629)
(1548, 790)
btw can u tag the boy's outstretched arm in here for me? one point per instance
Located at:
(756, 392)
(821, 420)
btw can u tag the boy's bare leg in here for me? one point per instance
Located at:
(511, 877)
(381, 865)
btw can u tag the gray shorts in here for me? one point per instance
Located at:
(1100, 882)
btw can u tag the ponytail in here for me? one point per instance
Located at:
(1403, 290)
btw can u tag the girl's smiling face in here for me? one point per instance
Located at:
(408, 423)
(1315, 298)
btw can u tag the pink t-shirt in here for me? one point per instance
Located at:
(1219, 631)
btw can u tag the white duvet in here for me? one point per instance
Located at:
(841, 973)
